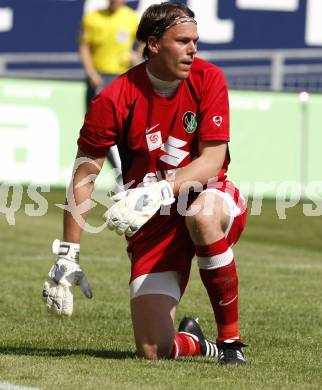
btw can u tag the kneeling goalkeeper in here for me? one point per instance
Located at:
(169, 118)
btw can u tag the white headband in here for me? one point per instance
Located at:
(179, 20)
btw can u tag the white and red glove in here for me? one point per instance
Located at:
(64, 275)
(134, 207)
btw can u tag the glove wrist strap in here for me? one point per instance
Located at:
(66, 250)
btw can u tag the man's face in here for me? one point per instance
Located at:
(115, 4)
(175, 51)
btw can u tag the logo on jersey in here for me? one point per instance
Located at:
(189, 121)
(149, 129)
(122, 36)
(174, 155)
(154, 140)
(217, 120)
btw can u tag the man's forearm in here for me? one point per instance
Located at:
(78, 201)
(86, 59)
(196, 171)
(74, 220)
(203, 168)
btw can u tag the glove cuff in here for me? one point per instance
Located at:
(66, 250)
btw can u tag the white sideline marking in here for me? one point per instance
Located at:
(12, 386)
(295, 266)
(102, 259)
(107, 259)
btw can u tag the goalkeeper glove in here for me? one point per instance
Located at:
(63, 276)
(135, 207)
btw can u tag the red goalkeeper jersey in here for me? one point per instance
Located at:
(155, 134)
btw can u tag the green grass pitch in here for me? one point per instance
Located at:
(280, 273)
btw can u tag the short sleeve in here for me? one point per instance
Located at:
(214, 107)
(100, 129)
(86, 31)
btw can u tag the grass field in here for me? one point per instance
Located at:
(280, 272)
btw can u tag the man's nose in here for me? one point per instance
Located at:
(192, 48)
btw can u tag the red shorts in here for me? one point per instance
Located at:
(164, 244)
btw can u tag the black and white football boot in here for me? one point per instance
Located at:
(230, 353)
(190, 326)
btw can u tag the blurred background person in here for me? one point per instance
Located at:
(106, 48)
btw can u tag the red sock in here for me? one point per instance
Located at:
(219, 276)
(184, 345)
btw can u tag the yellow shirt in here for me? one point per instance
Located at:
(110, 37)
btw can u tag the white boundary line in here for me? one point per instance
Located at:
(98, 259)
(12, 386)
(294, 266)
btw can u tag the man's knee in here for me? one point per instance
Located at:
(200, 223)
(198, 219)
(207, 219)
(154, 351)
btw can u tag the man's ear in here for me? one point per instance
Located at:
(153, 44)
